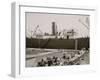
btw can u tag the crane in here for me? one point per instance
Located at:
(35, 30)
(32, 34)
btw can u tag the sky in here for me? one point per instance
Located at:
(63, 21)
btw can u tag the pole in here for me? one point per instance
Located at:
(76, 44)
(31, 38)
(39, 42)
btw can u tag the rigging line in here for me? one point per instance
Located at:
(83, 24)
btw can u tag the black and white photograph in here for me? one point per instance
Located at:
(56, 39)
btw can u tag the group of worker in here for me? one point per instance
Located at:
(56, 61)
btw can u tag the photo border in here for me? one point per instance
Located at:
(16, 40)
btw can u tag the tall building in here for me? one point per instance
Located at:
(54, 28)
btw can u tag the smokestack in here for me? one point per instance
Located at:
(54, 28)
